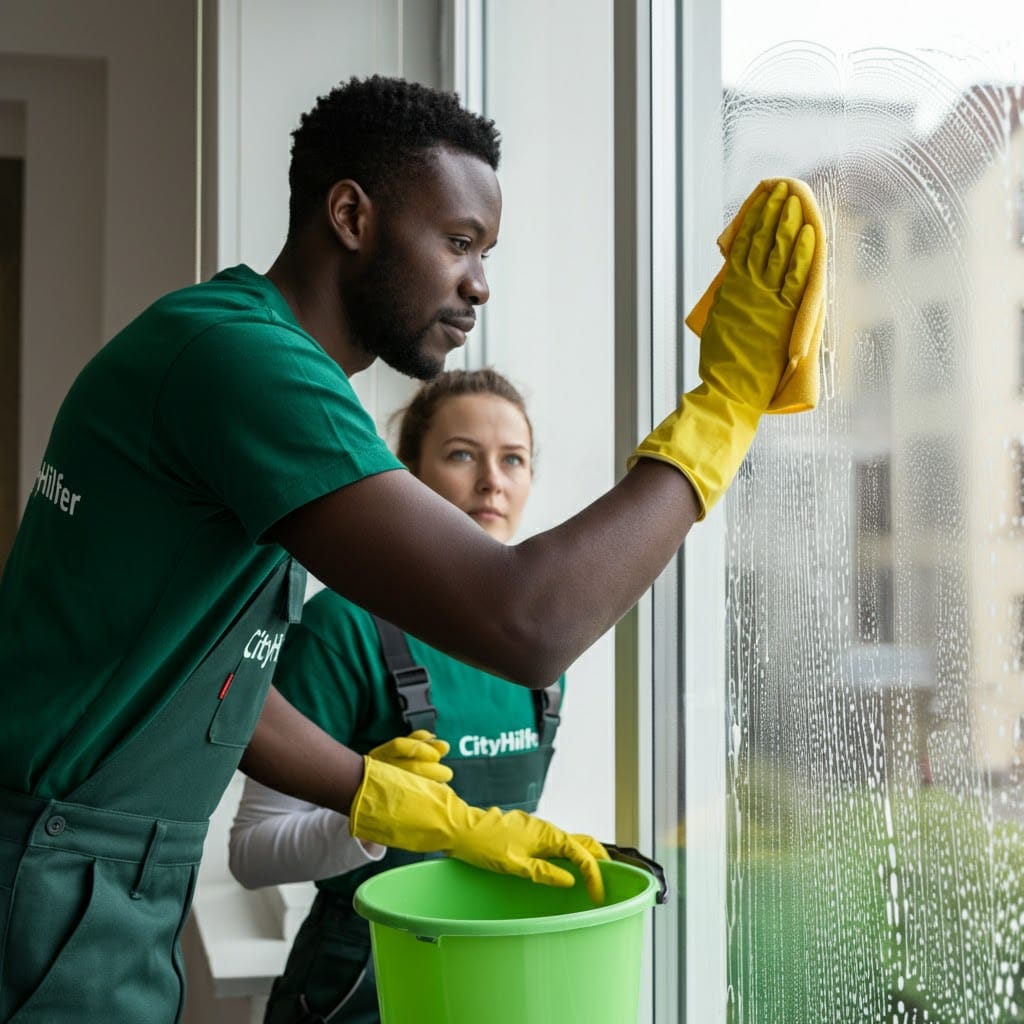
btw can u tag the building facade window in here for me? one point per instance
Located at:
(1017, 479)
(933, 368)
(874, 866)
(1020, 214)
(1020, 349)
(873, 248)
(874, 497)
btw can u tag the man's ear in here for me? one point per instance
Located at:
(349, 212)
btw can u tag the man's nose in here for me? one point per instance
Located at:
(474, 288)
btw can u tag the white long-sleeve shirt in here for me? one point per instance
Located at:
(277, 839)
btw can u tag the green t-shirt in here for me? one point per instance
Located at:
(200, 425)
(331, 668)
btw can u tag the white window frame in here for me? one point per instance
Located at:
(669, 210)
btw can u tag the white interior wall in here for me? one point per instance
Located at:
(12, 129)
(311, 45)
(12, 147)
(550, 318)
(63, 102)
(108, 92)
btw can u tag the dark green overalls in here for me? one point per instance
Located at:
(95, 888)
(329, 975)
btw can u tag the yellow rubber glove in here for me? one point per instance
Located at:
(744, 347)
(420, 753)
(397, 808)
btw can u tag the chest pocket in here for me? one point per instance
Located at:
(241, 668)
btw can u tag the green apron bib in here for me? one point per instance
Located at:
(95, 888)
(329, 978)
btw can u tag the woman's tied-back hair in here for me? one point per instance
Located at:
(373, 131)
(416, 417)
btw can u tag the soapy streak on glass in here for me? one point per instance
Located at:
(875, 560)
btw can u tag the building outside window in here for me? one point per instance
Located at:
(874, 839)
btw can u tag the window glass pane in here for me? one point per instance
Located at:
(874, 550)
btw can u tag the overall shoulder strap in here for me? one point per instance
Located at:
(411, 681)
(547, 702)
(412, 686)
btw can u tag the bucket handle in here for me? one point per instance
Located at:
(631, 855)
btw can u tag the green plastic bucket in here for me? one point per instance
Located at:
(454, 944)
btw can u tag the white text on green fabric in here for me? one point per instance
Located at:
(50, 484)
(508, 742)
(263, 647)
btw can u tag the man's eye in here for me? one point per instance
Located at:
(462, 244)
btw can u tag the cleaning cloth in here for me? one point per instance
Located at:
(800, 382)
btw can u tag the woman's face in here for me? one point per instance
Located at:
(477, 454)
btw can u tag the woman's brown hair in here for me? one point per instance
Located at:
(416, 417)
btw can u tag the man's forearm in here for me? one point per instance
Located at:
(293, 755)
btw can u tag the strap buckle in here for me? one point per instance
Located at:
(551, 697)
(413, 685)
(546, 705)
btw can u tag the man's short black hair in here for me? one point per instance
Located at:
(373, 131)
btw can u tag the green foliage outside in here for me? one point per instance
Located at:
(895, 904)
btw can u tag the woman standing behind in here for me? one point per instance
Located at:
(467, 435)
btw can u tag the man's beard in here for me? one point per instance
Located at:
(381, 321)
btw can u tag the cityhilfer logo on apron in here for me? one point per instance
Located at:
(263, 647)
(510, 741)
